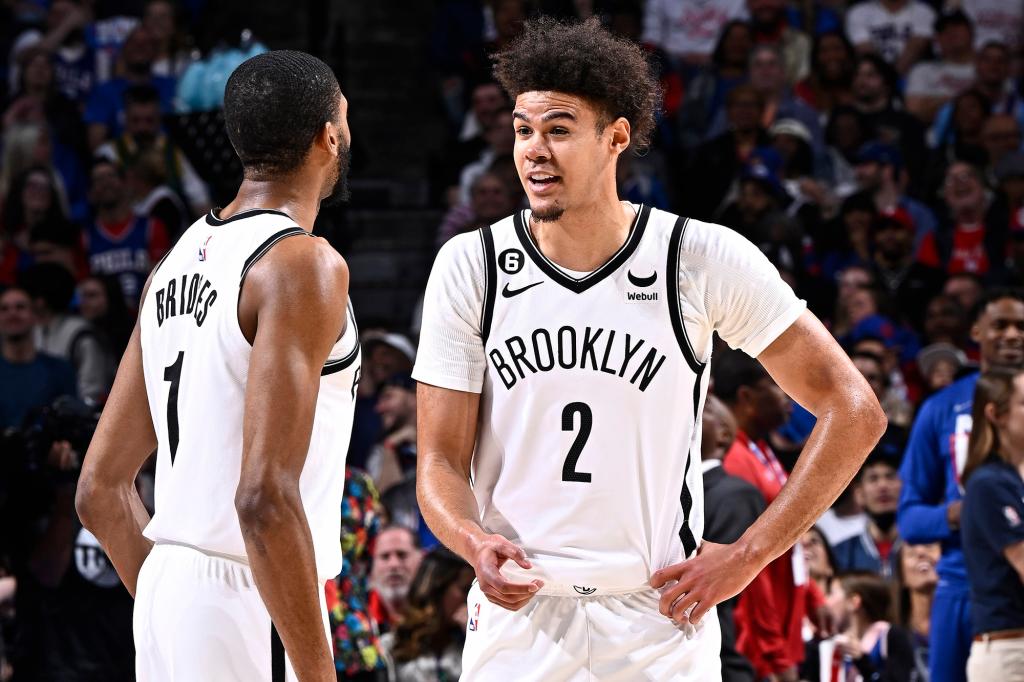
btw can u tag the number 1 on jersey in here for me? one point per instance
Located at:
(569, 472)
(173, 375)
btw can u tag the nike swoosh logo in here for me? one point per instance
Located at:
(509, 293)
(642, 281)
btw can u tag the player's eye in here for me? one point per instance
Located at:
(522, 130)
(559, 131)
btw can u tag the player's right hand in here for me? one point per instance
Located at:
(490, 553)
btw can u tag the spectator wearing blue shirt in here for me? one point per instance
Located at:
(875, 548)
(993, 527)
(930, 500)
(104, 113)
(28, 379)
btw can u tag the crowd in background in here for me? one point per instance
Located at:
(872, 150)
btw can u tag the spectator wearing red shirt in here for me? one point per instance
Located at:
(973, 239)
(120, 242)
(771, 610)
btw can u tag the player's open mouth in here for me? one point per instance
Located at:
(541, 182)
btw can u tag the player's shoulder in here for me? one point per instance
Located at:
(713, 242)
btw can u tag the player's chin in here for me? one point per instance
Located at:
(545, 210)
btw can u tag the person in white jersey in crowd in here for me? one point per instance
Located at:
(563, 368)
(241, 374)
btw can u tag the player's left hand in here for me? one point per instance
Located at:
(717, 573)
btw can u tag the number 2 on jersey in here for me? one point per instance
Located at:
(173, 375)
(569, 472)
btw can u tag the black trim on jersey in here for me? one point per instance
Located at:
(675, 313)
(262, 249)
(686, 497)
(491, 281)
(212, 219)
(334, 366)
(580, 285)
(277, 667)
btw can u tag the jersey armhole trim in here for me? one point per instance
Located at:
(263, 248)
(333, 366)
(686, 497)
(490, 279)
(672, 284)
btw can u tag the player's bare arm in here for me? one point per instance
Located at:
(292, 309)
(446, 428)
(810, 367)
(107, 500)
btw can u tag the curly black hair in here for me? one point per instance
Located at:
(274, 105)
(582, 58)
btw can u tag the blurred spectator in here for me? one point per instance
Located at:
(707, 90)
(794, 143)
(876, 96)
(393, 460)
(771, 610)
(897, 30)
(639, 182)
(845, 519)
(945, 321)
(162, 18)
(427, 644)
(500, 136)
(828, 84)
(105, 114)
(972, 239)
(894, 440)
(851, 280)
(119, 241)
(880, 172)
(1009, 174)
(731, 506)
(932, 83)
(895, 399)
(868, 643)
(32, 201)
(489, 201)
(821, 562)
(29, 378)
(939, 364)
(771, 27)
(914, 590)
(993, 530)
(396, 556)
(768, 77)
(907, 282)
(757, 211)
(486, 99)
(37, 100)
(930, 500)
(845, 134)
(688, 29)
(967, 288)
(29, 145)
(874, 550)
(60, 242)
(1001, 138)
(357, 650)
(65, 38)
(65, 335)
(101, 304)
(142, 134)
(995, 21)
(717, 162)
(384, 355)
(146, 179)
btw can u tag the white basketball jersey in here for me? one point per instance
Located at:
(589, 443)
(196, 363)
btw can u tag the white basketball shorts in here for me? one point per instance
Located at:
(606, 638)
(199, 617)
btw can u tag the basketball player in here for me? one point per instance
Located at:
(563, 368)
(241, 374)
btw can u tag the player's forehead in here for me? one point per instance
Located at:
(536, 106)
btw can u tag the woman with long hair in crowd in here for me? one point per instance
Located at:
(163, 18)
(32, 202)
(820, 560)
(101, 302)
(913, 586)
(828, 84)
(992, 527)
(427, 644)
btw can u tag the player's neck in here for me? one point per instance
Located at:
(585, 238)
(297, 197)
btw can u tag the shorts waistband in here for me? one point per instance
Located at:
(241, 561)
(566, 590)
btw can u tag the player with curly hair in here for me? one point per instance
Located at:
(563, 365)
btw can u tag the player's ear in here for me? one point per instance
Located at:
(620, 134)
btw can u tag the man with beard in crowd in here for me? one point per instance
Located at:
(396, 556)
(908, 283)
(930, 500)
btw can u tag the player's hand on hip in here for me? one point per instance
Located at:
(489, 555)
(717, 573)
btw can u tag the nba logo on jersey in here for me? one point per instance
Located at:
(474, 620)
(202, 250)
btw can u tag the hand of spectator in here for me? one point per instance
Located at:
(848, 646)
(717, 573)
(489, 555)
(790, 674)
(953, 514)
(824, 624)
(405, 434)
(63, 457)
(25, 109)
